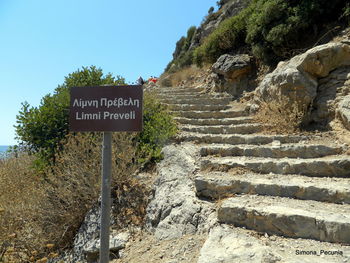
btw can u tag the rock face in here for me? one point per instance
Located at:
(117, 242)
(299, 78)
(86, 243)
(231, 73)
(344, 111)
(174, 210)
(330, 92)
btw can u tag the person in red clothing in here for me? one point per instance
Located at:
(154, 80)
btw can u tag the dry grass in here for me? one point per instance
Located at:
(21, 205)
(283, 116)
(188, 75)
(36, 211)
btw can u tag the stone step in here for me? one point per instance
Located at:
(178, 89)
(288, 217)
(228, 244)
(330, 166)
(211, 114)
(223, 129)
(225, 121)
(272, 151)
(205, 101)
(198, 107)
(218, 185)
(239, 139)
(193, 96)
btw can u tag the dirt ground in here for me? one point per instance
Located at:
(144, 247)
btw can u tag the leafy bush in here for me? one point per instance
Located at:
(182, 56)
(179, 47)
(220, 3)
(158, 127)
(346, 13)
(277, 26)
(271, 28)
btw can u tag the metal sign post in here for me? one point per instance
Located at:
(106, 109)
(106, 196)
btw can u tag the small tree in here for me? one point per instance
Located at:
(41, 129)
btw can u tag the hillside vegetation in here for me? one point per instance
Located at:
(271, 30)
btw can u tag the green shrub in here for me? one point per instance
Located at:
(158, 127)
(179, 47)
(220, 3)
(190, 34)
(277, 26)
(182, 56)
(346, 13)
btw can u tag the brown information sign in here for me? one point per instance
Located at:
(106, 108)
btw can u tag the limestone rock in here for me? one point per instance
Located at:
(116, 243)
(232, 73)
(344, 111)
(330, 91)
(174, 209)
(297, 79)
(225, 246)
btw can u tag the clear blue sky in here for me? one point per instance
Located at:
(43, 41)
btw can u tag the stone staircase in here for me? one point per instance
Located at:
(286, 185)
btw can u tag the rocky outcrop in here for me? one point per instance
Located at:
(174, 210)
(344, 111)
(231, 8)
(86, 243)
(116, 242)
(232, 67)
(331, 90)
(231, 74)
(300, 79)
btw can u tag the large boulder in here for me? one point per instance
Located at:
(231, 73)
(232, 67)
(298, 79)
